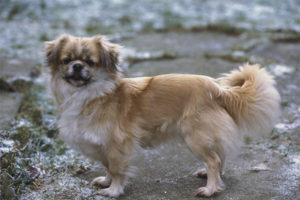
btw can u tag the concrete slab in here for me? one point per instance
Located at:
(16, 67)
(9, 105)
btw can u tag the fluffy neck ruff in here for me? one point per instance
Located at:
(71, 98)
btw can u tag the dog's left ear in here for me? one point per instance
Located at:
(109, 53)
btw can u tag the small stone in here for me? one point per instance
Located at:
(5, 86)
(273, 137)
(33, 172)
(82, 169)
(260, 167)
(35, 71)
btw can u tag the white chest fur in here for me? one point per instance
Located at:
(76, 132)
(81, 132)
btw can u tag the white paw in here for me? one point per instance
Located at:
(111, 192)
(207, 192)
(203, 192)
(101, 181)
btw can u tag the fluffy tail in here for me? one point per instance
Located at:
(250, 97)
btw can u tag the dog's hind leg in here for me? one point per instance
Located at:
(205, 150)
(214, 181)
(202, 172)
(211, 135)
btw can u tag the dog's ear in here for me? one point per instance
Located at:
(53, 48)
(109, 53)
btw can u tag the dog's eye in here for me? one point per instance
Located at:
(90, 62)
(67, 61)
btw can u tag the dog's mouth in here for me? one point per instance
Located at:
(77, 80)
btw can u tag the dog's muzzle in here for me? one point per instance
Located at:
(77, 75)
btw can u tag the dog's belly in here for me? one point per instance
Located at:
(157, 135)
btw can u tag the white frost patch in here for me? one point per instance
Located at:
(8, 142)
(296, 159)
(8, 145)
(260, 167)
(238, 53)
(15, 78)
(279, 70)
(284, 127)
(261, 10)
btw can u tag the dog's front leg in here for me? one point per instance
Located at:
(102, 181)
(118, 168)
(116, 187)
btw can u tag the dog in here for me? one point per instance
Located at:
(110, 119)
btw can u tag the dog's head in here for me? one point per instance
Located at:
(81, 61)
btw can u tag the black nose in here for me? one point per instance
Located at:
(77, 67)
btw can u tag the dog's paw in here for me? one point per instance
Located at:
(201, 173)
(111, 192)
(101, 181)
(203, 192)
(207, 192)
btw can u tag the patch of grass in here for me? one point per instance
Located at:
(18, 46)
(287, 38)
(21, 161)
(232, 57)
(67, 24)
(247, 140)
(95, 26)
(44, 37)
(220, 27)
(15, 9)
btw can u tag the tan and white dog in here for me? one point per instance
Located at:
(109, 118)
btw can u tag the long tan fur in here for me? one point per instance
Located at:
(251, 99)
(109, 118)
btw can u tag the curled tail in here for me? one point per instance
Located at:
(250, 97)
